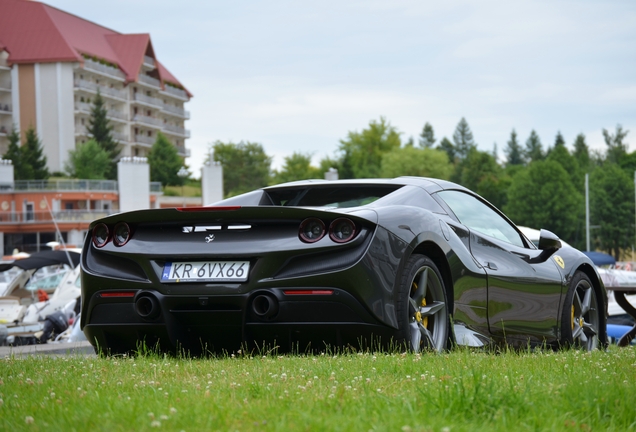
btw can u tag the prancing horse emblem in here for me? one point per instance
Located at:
(209, 238)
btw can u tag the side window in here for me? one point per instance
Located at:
(480, 217)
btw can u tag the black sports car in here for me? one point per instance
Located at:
(409, 262)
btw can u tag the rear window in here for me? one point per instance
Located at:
(342, 196)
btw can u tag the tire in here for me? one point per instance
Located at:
(581, 316)
(422, 308)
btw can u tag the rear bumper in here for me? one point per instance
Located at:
(310, 318)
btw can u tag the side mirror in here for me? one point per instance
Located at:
(549, 240)
(549, 243)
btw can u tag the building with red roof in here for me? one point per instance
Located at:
(52, 64)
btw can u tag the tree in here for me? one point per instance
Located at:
(463, 139)
(33, 156)
(616, 148)
(365, 149)
(89, 161)
(413, 161)
(562, 156)
(481, 173)
(514, 154)
(427, 137)
(100, 128)
(534, 149)
(297, 167)
(558, 140)
(165, 162)
(542, 196)
(611, 204)
(327, 163)
(446, 146)
(14, 153)
(582, 153)
(245, 166)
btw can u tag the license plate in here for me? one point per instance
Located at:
(206, 271)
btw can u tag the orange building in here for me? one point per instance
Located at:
(31, 209)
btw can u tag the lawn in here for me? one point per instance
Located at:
(459, 391)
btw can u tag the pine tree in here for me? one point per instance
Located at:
(513, 151)
(534, 149)
(100, 128)
(448, 147)
(33, 156)
(582, 153)
(14, 153)
(463, 139)
(165, 162)
(616, 149)
(427, 137)
(559, 141)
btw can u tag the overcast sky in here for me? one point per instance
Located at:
(298, 76)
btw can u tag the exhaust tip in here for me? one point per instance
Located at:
(265, 306)
(147, 307)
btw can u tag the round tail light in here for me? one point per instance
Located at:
(311, 230)
(342, 230)
(100, 235)
(121, 234)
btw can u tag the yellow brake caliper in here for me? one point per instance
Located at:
(418, 315)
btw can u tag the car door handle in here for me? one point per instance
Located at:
(491, 265)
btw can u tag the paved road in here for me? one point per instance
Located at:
(51, 349)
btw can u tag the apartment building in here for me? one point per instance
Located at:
(52, 64)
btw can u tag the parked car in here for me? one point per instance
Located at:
(410, 262)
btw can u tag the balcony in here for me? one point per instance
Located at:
(110, 71)
(60, 217)
(104, 91)
(81, 130)
(5, 109)
(173, 91)
(148, 100)
(148, 80)
(5, 86)
(149, 61)
(176, 130)
(112, 114)
(66, 185)
(180, 112)
(118, 136)
(150, 121)
(144, 139)
(185, 152)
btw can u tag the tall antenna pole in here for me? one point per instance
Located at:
(587, 210)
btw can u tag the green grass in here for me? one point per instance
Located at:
(459, 391)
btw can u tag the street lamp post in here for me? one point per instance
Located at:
(183, 174)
